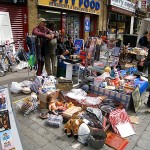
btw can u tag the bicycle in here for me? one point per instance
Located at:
(8, 60)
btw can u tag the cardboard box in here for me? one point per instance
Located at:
(70, 111)
(64, 86)
(46, 97)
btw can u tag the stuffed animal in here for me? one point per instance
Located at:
(52, 95)
(69, 104)
(55, 106)
(72, 126)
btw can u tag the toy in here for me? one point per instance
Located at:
(68, 104)
(72, 126)
(51, 95)
(107, 69)
(55, 106)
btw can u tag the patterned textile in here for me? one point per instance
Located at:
(36, 84)
(118, 116)
(125, 99)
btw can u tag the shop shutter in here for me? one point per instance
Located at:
(18, 21)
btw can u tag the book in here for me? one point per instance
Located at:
(6, 140)
(4, 120)
(125, 129)
(115, 141)
(3, 100)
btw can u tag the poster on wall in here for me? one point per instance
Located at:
(87, 24)
(78, 43)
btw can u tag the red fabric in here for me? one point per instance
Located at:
(118, 116)
(41, 31)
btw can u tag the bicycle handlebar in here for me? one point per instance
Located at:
(8, 44)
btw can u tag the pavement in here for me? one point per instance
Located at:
(35, 135)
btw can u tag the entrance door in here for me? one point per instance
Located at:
(93, 25)
(18, 20)
(5, 28)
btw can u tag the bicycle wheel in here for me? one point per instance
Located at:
(4, 66)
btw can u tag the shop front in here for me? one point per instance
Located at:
(18, 18)
(120, 17)
(70, 16)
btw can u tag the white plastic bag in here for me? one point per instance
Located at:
(15, 87)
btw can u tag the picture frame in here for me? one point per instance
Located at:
(136, 97)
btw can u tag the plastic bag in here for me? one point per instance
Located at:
(15, 87)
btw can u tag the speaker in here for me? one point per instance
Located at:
(130, 38)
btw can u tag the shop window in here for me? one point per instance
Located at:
(112, 17)
(121, 18)
(52, 17)
(67, 22)
(73, 25)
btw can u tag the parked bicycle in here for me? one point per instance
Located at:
(8, 60)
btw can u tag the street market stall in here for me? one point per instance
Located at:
(96, 106)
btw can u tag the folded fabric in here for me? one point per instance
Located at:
(95, 111)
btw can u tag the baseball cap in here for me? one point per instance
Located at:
(42, 20)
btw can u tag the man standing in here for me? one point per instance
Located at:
(50, 58)
(43, 35)
(143, 41)
(70, 46)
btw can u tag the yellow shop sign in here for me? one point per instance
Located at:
(88, 6)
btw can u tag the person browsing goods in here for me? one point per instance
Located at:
(43, 35)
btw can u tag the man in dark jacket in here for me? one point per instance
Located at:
(43, 35)
(146, 63)
(70, 46)
(61, 47)
(143, 40)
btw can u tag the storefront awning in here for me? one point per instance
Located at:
(121, 11)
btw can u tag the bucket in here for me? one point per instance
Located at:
(97, 138)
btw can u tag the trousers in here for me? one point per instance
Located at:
(50, 64)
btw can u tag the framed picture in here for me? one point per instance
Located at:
(137, 101)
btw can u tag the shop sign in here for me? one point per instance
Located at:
(124, 4)
(87, 25)
(88, 6)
